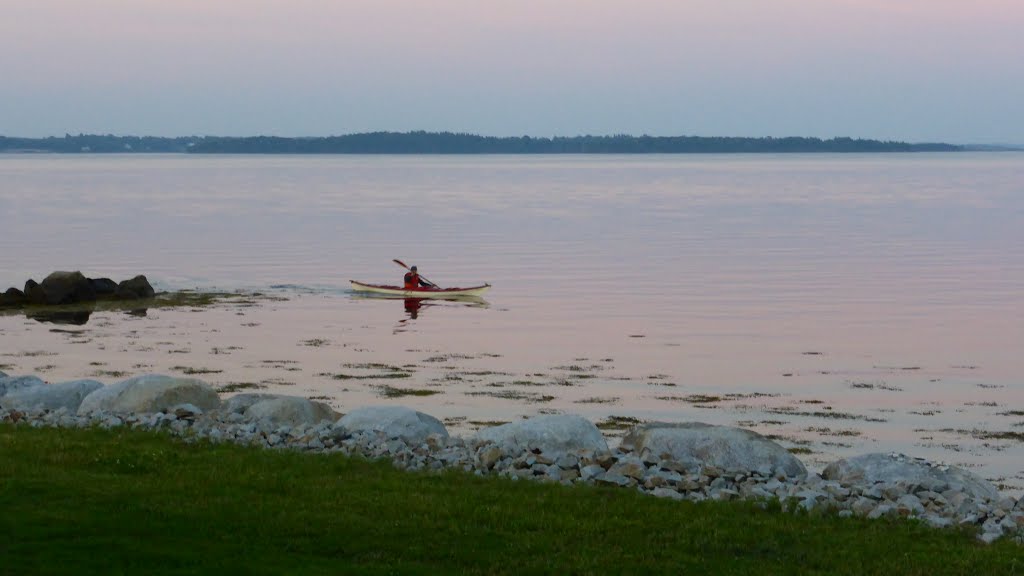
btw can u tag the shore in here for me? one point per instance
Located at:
(300, 344)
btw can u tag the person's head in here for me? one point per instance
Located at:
(413, 269)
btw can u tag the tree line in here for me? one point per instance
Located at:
(457, 143)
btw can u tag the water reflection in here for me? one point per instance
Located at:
(413, 307)
(77, 316)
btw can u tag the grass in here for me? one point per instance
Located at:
(123, 502)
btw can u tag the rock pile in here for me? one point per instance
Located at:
(62, 288)
(694, 461)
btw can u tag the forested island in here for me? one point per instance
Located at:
(456, 143)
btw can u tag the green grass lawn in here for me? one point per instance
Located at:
(124, 502)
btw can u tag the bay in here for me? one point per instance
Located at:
(842, 303)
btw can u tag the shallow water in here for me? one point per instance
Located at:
(881, 287)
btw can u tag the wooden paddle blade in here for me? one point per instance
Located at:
(400, 263)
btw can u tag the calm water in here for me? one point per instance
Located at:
(881, 287)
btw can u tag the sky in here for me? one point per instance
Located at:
(912, 70)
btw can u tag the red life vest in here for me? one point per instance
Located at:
(412, 281)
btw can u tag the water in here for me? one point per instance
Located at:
(879, 287)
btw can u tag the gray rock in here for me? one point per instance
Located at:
(290, 410)
(135, 289)
(392, 421)
(554, 435)
(615, 480)
(667, 493)
(723, 447)
(67, 395)
(150, 393)
(10, 384)
(239, 403)
(591, 471)
(894, 468)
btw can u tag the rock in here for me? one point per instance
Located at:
(34, 293)
(489, 456)
(554, 435)
(629, 466)
(12, 298)
(290, 410)
(898, 469)
(591, 471)
(615, 480)
(10, 384)
(239, 403)
(185, 411)
(392, 421)
(137, 288)
(150, 393)
(723, 447)
(67, 395)
(103, 287)
(667, 493)
(67, 288)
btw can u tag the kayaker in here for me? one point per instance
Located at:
(413, 280)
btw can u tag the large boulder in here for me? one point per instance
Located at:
(899, 469)
(67, 288)
(290, 411)
(393, 421)
(12, 298)
(150, 393)
(137, 288)
(10, 384)
(239, 403)
(104, 287)
(724, 447)
(67, 395)
(551, 434)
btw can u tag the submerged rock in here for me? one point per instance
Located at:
(551, 434)
(722, 447)
(392, 421)
(66, 395)
(898, 469)
(150, 393)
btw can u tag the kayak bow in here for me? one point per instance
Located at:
(421, 292)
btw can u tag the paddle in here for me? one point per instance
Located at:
(402, 264)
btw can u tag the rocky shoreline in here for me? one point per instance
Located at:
(690, 461)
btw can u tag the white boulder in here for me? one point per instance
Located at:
(67, 395)
(898, 469)
(551, 434)
(392, 421)
(290, 411)
(11, 383)
(150, 393)
(723, 447)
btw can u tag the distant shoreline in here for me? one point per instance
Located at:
(448, 143)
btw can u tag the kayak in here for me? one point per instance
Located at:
(421, 292)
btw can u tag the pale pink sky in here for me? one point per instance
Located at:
(905, 69)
